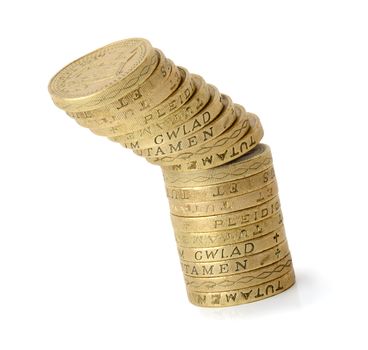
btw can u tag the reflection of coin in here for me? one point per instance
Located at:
(101, 74)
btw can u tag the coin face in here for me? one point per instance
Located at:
(100, 69)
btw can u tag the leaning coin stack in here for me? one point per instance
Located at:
(219, 178)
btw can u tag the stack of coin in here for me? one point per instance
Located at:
(219, 178)
(229, 230)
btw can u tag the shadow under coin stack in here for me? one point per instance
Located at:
(219, 178)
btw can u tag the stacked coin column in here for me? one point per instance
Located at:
(229, 230)
(219, 178)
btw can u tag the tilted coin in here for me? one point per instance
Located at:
(103, 75)
(177, 124)
(129, 120)
(212, 157)
(178, 98)
(201, 136)
(237, 130)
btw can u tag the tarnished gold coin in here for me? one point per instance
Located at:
(103, 75)
(243, 295)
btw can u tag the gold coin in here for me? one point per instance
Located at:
(223, 190)
(226, 205)
(174, 125)
(229, 236)
(243, 295)
(131, 108)
(204, 135)
(237, 130)
(235, 266)
(231, 251)
(137, 102)
(239, 127)
(226, 221)
(243, 280)
(251, 163)
(174, 101)
(99, 77)
(212, 158)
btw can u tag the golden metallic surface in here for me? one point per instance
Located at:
(226, 205)
(226, 221)
(231, 251)
(237, 130)
(129, 107)
(202, 136)
(235, 266)
(223, 190)
(177, 124)
(219, 178)
(175, 101)
(210, 157)
(101, 76)
(251, 163)
(243, 280)
(243, 295)
(130, 111)
(178, 98)
(229, 236)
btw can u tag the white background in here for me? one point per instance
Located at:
(87, 253)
